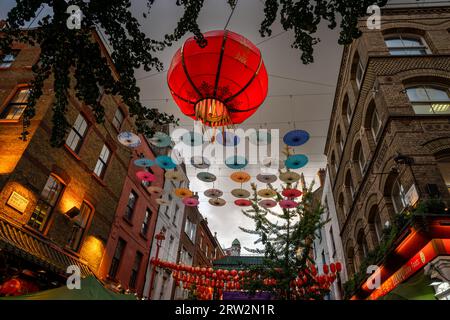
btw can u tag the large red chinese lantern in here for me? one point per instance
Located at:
(221, 84)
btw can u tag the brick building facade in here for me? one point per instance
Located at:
(62, 200)
(388, 144)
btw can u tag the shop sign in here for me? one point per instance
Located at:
(17, 202)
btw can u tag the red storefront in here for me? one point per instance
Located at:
(129, 243)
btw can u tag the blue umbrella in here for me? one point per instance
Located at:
(143, 162)
(296, 138)
(236, 162)
(296, 161)
(193, 139)
(165, 162)
(230, 140)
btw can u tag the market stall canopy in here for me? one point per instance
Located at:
(91, 289)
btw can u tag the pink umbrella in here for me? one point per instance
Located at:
(190, 202)
(291, 193)
(243, 203)
(288, 204)
(145, 176)
(267, 204)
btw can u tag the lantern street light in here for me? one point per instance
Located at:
(160, 237)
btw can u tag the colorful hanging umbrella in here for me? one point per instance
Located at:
(192, 139)
(236, 162)
(175, 176)
(221, 84)
(231, 140)
(213, 193)
(267, 193)
(145, 176)
(218, 202)
(289, 177)
(240, 177)
(296, 138)
(288, 204)
(190, 202)
(240, 193)
(163, 202)
(296, 161)
(260, 138)
(165, 162)
(143, 162)
(183, 193)
(155, 190)
(266, 178)
(129, 139)
(273, 163)
(243, 203)
(200, 162)
(291, 193)
(268, 204)
(160, 140)
(206, 177)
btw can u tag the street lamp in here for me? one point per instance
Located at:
(160, 237)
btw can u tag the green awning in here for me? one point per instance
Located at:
(91, 289)
(415, 288)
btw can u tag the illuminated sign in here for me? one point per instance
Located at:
(17, 202)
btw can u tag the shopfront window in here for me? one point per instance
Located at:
(80, 224)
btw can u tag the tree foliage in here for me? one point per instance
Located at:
(64, 50)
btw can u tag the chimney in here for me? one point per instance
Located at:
(322, 175)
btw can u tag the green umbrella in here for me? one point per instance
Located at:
(91, 289)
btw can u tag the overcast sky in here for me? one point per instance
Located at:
(300, 97)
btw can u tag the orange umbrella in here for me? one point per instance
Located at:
(267, 193)
(183, 193)
(240, 177)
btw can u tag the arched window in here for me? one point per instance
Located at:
(427, 99)
(363, 248)
(340, 139)
(347, 110)
(341, 205)
(372, 121)
(359, 157)
(406, 45)
(376, 223)
(349, 184)
(333, 163)
(398, 195)
(351, 264)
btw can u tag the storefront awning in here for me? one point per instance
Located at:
(42, 252)
(416, 288)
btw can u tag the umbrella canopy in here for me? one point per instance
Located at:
(91, 289)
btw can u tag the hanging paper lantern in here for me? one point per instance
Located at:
(260, 138)
(143, 162)
(243, 203)
(145, 176)
(213, 193)
(165, 162)
(332, 267)
(190, 202)
(160, 140)
(268, 204)
(218, 202)
(266, 178)
(129, 139)
(206, 177)
(183, 193)
(192, 139)
(291, 193)
(240, 177)
(288, 204)
(296, 138)
(236, 162)
(338, 267)
(200, 163)
(296, 161)
(240, 193)
(228, 139)
(326, 269)
(267, 193)
(289, 177)
(221, 84)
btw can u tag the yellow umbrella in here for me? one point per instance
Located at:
(240, 177)
(240, 193)
(183, 193)
(174, 176)
(267, 193)
(289, 177)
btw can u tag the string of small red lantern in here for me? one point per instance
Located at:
(206, 281)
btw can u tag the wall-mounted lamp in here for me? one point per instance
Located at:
(72, 213)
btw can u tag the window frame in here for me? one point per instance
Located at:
(116, 261)
(5, 110)
(80, 136)
(79, 228)
(146, 222)
(14, 53)
(359, 70)
(129, 209)
(375, 133)
(138, 258)
(429, 103)
(401, 194)
(103, 162)
(116, 123)
(404, 37)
